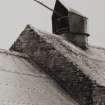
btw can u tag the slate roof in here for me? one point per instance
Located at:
(45, 69)
(92, 59)
(21, 83)
(80, 72)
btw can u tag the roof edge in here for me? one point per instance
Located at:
(14, 53)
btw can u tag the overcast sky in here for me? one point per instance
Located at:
(16, 14)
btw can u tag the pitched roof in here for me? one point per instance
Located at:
(22, 83)
(91, 60)
(71, 67)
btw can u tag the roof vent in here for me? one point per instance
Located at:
(70, 24)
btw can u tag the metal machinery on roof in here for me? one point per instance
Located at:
(69, 23)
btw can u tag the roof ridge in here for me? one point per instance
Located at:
(97, 47)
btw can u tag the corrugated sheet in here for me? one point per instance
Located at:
(23, 84)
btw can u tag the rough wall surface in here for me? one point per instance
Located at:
(71, 68)
(99, 95)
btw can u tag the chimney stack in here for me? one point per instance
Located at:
(70, 24)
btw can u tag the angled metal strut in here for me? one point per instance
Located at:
(39, 2)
